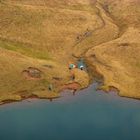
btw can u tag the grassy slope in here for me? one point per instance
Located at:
(38, 26)
(99, 34)
(118, 60)
(44, 32)
(37, 35)
(13, 82)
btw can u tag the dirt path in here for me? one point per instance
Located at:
(98, 6)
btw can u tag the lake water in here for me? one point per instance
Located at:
(89, 115)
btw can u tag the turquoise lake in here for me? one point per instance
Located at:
(89, 115)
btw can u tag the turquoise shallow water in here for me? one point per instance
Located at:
(89, 115)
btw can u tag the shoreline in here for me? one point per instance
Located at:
(92, 73)
(94, 77)
(24, 99)
(111, 60)
(114, 90)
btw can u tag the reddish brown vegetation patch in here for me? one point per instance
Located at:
(71, 86)
(32, 73)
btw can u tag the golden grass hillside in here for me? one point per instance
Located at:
(118, 60)
(15, 84)
(42, 37)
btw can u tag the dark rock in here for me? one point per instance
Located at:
(57, 78)
(48, 66)
(32, 72)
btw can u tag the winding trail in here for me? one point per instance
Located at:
(98, 6)
(94, 30)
